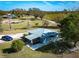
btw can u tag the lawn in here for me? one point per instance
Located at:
(25, 53)
(28, 53)
(20, 27)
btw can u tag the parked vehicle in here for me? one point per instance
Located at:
(7, 38)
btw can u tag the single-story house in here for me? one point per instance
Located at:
(9, 16)
(40, 37)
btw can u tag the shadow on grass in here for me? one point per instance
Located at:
(46, 27)
(56, 48)
(21, 28)
(8, 50)
(24, 28)
(48, 48)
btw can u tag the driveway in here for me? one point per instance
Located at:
(14, 36)
(1, 41)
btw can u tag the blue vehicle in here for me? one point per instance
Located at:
(7, 38)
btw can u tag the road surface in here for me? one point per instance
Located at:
(14, 36)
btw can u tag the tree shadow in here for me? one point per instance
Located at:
(56, 48)
(48, 48)
(8, 50)
(21, 28)
(46, 27)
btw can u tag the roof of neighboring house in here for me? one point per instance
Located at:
(12, 15)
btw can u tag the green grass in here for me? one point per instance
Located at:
(28, 53)
(20, 27)
(25, 53)
(23, 26)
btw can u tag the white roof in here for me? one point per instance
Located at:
(37, 33)
(40, 31)
(33, 36)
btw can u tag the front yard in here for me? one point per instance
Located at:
(45, 52)
(28, 53)
(25, 53)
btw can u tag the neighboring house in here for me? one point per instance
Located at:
(40, 37)
(9, 16)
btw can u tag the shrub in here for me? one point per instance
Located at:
(17, 45)
(25, 34)
(22, 18)
(36, 24)
(32, 19)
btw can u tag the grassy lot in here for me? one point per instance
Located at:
(25, 53)
(20, 27)
(28, 53)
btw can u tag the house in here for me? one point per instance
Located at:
(40, 37)
(9, 16)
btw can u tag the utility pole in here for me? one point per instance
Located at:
(10, 17)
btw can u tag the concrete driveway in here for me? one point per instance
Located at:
(14, 36)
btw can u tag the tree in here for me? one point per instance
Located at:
(17, 45)
(70, 28)
(54, 16)
(45, 23)
(36, 12)
(41, 14)
(18, 12)
(65, 11)
(3, 12)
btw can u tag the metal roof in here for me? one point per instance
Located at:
(33, 36)
(37, 33)
(40, 31)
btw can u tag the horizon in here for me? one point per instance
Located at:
(42, 5)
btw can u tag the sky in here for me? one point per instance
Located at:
(43, 5)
